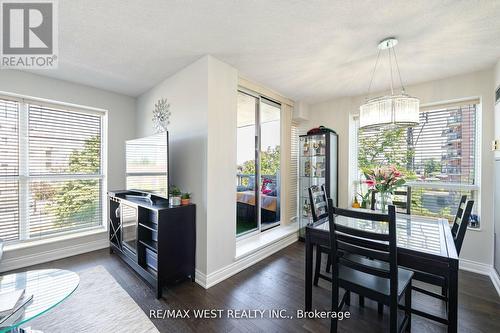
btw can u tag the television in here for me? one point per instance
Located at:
(147, 164)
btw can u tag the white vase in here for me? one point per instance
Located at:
(175, 201)
(383, 200)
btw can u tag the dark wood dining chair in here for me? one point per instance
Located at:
(319, 203)
(378, 278)
(460, 226)
(319, 211)
(401, 206)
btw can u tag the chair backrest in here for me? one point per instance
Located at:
(462, 222)
(458, 215)
(379, 246)
(373, 200)
(402, 206)
(318, 202)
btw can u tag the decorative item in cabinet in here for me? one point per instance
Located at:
(307, 168)
(305, 149)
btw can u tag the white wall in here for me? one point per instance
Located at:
(202, 134)
(121, 119)
(478, 245)
(497, 109)
(497, 74)
(221, 164)
(187, 94)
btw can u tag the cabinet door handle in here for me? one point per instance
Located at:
(117, 213)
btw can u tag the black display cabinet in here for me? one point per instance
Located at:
(318, 165)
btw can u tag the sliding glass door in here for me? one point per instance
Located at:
(247, 189)
(258, 158)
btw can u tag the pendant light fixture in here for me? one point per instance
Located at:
(394, 110)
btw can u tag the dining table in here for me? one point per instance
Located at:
(424, 244)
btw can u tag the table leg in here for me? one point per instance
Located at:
(309, 271)
(453, 298)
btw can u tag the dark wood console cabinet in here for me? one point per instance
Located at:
(157, 240)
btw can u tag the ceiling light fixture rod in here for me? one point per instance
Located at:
(390, 70)
(373, 74)
(399, 73)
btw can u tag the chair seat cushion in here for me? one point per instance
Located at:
(374, 283)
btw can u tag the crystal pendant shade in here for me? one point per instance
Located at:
(392, 110)
(396, 110)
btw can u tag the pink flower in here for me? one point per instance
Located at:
(370, 182)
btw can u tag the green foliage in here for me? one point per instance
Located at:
(186, 195)
(431, 167)
(382, 145)
(77, 200)
(175, 191)
(269, 163)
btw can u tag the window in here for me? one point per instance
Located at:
(51, 177)
(439, 156)
(258, 163)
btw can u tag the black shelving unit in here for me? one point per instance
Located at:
(157, 240)
(318, 165)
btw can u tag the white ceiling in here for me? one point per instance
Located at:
(306, 50)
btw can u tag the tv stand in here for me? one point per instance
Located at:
(155, 239)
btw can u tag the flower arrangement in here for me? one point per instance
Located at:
(384, 179)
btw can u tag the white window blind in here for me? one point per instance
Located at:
(65, 170)
(440, 154)
(9, 170)
(294, 172)
(50, 170)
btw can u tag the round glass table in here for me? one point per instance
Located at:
(49, 288)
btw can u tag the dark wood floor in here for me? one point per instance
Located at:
(278, 283)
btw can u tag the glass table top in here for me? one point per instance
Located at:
(419, 233)
(49, 288)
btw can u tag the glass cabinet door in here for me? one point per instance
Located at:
(129, 221)
(312, 171)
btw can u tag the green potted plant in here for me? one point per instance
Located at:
(186, 198)
(175, 196)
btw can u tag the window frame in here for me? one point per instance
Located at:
(24, 177)
(476, 187)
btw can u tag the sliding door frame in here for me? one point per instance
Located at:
(257, 148)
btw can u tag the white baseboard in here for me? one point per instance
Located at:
(495, 279)
(483, 269)
(210, 280)
(475, 267)
(53, 254)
